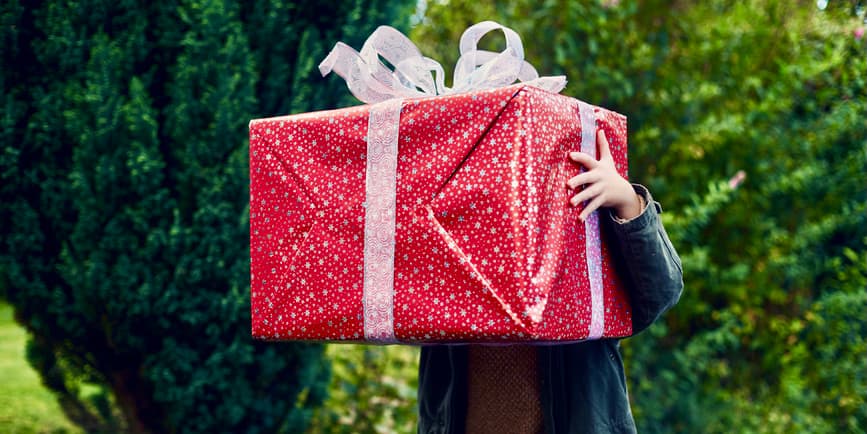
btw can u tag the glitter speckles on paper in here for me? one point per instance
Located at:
(486, 242)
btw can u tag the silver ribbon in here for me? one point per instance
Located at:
(415, 75)
(593, 245)
(379, 215)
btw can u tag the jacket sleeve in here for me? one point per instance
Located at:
(652, 267)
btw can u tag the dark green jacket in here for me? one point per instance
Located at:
(583, 386)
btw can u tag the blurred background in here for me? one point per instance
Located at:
(124, 266)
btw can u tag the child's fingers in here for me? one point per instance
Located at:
(583, 178)
(586, 194)
(592, 206)
(604, 149)
(585, 160)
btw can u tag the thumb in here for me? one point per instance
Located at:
(604, 149)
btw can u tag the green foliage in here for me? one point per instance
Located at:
(123, 177)
(768, 336)
(25, 405)
(124, 231)
(373, 390)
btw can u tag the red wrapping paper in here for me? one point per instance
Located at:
(487, 247)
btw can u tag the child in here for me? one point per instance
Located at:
(570, 388)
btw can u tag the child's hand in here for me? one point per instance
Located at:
(603, 186)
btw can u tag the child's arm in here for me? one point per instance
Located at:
(653, 267)
(603, 186)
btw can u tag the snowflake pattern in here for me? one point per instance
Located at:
(487, 247)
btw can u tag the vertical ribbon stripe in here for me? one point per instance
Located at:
(379, 216)
(593, 245)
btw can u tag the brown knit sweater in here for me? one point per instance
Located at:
(503, 390)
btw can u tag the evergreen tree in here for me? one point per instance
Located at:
(124, 184)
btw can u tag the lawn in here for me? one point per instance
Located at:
(25, 405)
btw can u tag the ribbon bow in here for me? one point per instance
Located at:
(415, 75)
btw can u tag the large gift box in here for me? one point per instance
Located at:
(432, 219)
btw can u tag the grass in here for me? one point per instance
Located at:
(25, 405)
